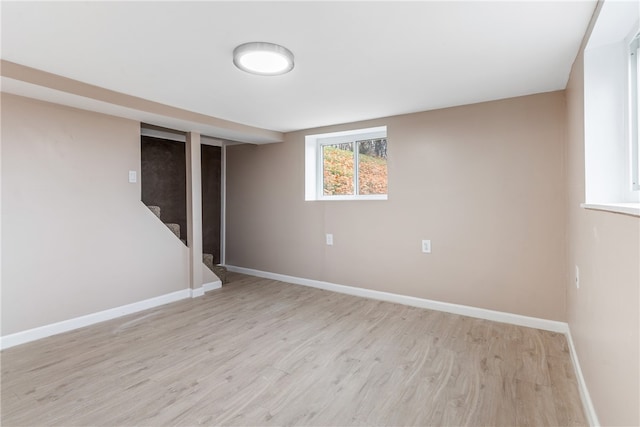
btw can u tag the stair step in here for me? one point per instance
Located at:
(207, 259)
(221, 272)
(155, 210)
(218, 270)
(175, 228)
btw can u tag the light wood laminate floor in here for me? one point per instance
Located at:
(262, 352)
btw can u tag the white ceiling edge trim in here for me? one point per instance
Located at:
(30, 90)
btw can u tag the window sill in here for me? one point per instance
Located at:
(360, 197)
(632, 209)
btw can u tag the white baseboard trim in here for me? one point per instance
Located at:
(211, 286)
(198, 292)
(29, 335)
(587, 403)
(464, 310)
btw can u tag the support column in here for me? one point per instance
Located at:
(194, 212)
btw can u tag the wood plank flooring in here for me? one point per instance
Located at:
(262, 352)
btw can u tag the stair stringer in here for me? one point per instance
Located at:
(169, 237)
(209, 280)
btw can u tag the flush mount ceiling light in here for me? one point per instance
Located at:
(265, 59)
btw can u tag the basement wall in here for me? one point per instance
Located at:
(75, 237)
(484, 182)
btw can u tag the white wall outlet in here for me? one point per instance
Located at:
(577, 277)
(329, 239)
(133, 177)
(426, 246)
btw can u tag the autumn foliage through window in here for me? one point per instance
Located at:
(354, 168)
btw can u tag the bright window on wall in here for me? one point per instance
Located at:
(612, 178)
(349, 165)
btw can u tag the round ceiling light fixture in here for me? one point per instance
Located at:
(265, 59)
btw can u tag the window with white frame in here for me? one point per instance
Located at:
(611, 110)
(348, 165)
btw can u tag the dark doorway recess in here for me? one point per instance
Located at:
(211, 200)
(164, 179)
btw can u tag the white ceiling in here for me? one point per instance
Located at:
(354, 60)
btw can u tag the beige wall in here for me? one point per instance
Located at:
(75, 237)
(603, 314)
(484, 182)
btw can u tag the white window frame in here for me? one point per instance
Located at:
(610, 111)
(314, 161)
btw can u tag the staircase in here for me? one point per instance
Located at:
(207, 259)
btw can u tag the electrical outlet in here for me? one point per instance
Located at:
(329, 239)
(426, 246)
(577, 277)
(133, 177)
